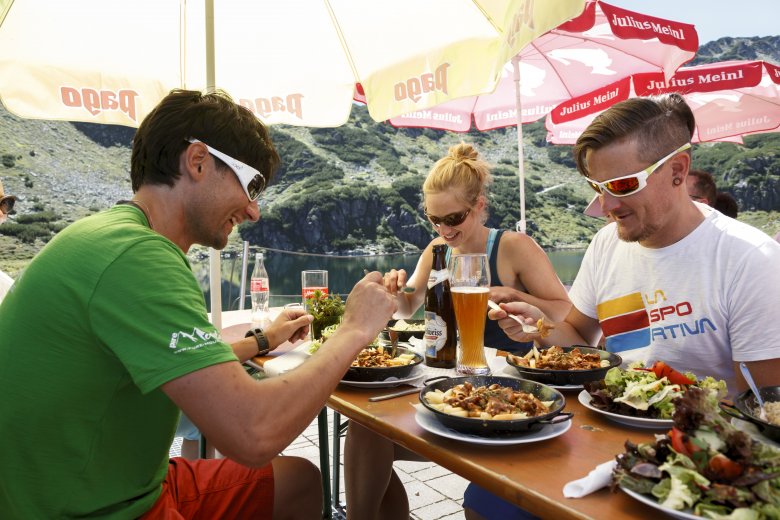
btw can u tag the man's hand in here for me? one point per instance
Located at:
(369, 307)
(527, 314)
(291, 325)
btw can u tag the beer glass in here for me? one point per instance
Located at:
(470, 288)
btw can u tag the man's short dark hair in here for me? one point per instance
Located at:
(658, 123)
(213, 118)
(726, 204)
(705, 185)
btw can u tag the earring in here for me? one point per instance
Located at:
(199, 168)
(677, 181)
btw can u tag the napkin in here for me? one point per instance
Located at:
(595, 480)
(288, 360)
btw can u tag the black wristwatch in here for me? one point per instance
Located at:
(263, 347)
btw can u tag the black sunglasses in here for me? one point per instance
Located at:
(7, 204)
(451, 220)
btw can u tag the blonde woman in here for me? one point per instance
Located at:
(456, 204)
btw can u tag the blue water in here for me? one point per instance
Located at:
(284, 272)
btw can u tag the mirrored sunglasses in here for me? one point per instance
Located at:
(7, 204)
(451, 220)
(251, 180)
(636, 182)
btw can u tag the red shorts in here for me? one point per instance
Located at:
(214, 488)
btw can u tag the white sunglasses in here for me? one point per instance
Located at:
(630, 184)
(251, 180)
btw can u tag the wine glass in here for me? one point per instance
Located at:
(470, 287)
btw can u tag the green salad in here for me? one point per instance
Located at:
(704, 464)
(647, 392)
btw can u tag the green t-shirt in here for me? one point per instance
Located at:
(103, 316)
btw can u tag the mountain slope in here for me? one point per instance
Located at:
(357, 188)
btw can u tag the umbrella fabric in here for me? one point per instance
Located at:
(594, 49)
(601, 45)
(729, 99)
(294, 61)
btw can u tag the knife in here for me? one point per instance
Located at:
(408, 391)
(394, 395)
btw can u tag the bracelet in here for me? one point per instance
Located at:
(263, 347)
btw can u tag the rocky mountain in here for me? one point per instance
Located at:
(357, 188)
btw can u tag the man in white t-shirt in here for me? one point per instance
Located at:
(669, 279)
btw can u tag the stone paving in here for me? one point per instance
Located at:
(434, 493)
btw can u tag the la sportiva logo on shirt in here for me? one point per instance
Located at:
(183, 341)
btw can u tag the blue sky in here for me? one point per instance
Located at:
(714, 18)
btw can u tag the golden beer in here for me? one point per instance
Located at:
(470, 313)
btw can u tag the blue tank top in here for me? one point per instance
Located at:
(494, 336)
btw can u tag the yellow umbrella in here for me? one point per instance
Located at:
(294, 61)
(289, 61)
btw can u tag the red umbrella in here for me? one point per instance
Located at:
(602, 44)
(729, 99)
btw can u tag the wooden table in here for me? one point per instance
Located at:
(529, 475)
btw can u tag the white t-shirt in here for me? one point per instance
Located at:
(700, 304)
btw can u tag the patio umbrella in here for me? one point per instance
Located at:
(597, 47)
(729, 99)
(294, 61)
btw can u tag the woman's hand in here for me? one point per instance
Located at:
(503, 294)
(394, 280)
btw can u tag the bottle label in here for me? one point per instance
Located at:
(308, 292)
(435, 333)
(437, 277)
(259, 285)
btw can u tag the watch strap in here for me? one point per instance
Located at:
(263, 347)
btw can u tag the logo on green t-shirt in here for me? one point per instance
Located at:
(183, 341)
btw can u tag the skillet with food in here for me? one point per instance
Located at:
(507, 396)
(745, 407)
(564, 363)
(371, 366)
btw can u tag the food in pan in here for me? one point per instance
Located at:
(772, 412)
(555, 358)
(375, 357)
(404, 326)
(487, 402)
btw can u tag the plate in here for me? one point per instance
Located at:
(429, 423)
(637, 422)
(650, 501)
(415, 374)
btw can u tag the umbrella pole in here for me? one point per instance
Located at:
(521, 224)
(215, 264)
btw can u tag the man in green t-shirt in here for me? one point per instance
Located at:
(105, 337)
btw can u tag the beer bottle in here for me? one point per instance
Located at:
(440, 330)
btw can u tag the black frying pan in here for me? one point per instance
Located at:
(745, 405)
(497, 428)
(382, 373)
(567, 377)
